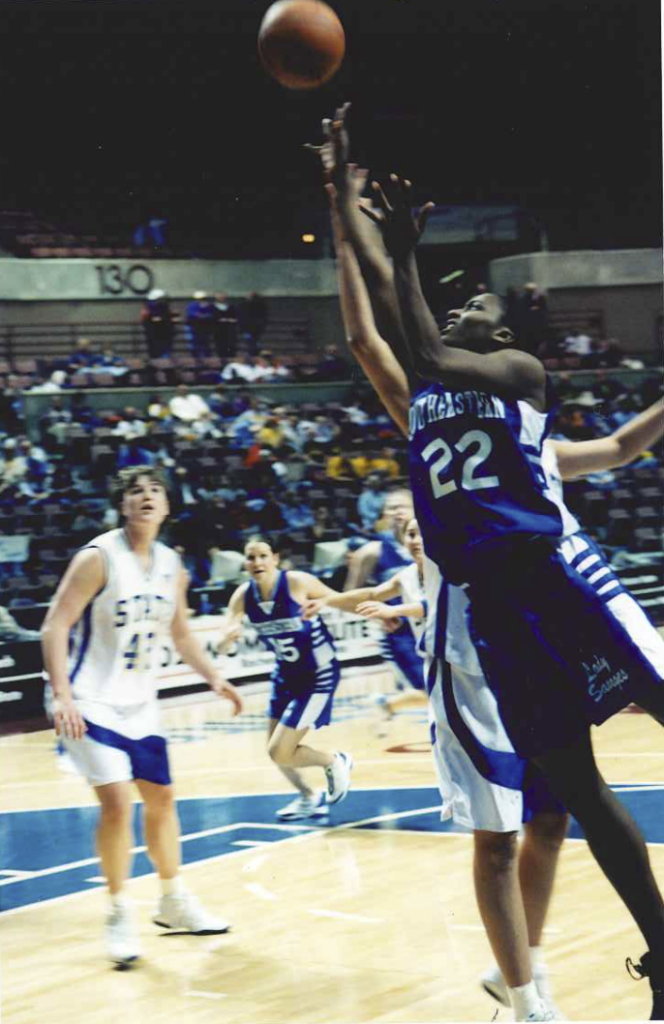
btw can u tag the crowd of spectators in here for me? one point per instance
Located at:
(241, 463)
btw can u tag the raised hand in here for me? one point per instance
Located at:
(401, 226)
(333, 152)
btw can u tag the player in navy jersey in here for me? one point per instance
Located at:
(305, 677)
(498, 387)
(100, 638)
(377, 562)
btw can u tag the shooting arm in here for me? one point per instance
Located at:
(577, 458)
(370, 350)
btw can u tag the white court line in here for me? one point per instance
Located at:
(346, 917)
(259, 890)
(254, 864)
(251, 842)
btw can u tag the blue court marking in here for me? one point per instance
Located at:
(49, 845)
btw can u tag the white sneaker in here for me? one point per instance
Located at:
(541, 1014)
(338, 777)
(304, 807)
(494, 984)
(183, 913)
(121, 940)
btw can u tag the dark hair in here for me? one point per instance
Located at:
(126, 478)
(257, 538)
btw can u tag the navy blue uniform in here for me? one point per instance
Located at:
(307, 671)
(399, 647)
(552, 652)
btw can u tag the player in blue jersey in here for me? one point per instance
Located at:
(549, 646)
(305, 677)
(608, 819)
(376, 562)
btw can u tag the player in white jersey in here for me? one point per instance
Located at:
(121, 593)
(305, 677)
(503, 916)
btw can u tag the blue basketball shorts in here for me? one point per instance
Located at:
(304, 703)
(400, 649)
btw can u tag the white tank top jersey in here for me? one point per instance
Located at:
(412, 591)
(459, 649)
(115, 645)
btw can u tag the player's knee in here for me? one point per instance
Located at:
(496, 851)
(281, 753)
(548, 830)
(160, 801)
(115, 809)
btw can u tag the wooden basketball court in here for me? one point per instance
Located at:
(370, 918)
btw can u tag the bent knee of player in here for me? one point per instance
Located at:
(281, 750)
(496, 851)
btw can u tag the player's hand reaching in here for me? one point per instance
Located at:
(67, 719)
(339, 175)
(232, 634)
(225, 689)
(375, 610)
(400, 224)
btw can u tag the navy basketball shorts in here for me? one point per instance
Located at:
(553, 652)
(304, 702)
(400, 649)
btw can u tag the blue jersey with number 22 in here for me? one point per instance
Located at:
(476, 473)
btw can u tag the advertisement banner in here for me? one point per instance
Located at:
(356, 639)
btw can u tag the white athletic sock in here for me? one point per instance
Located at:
(525, 1000)
(172, 886)
(537, 961)
(118, 901)
(541, 974)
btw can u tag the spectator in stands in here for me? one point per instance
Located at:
(297, 514)
(13, 469)
(384, 462)
(606, 354)
(135, 452)
(38, 466)
(159, 412)
(224, 405)
(187, 407)
(241, 368)
(131, 425)
(533, 318)
(54, 423)
(270, 434)
(83, 357)
(110, 362)
(577, 343)
(338, 467)
(252, 315)
(277, 372)
(56, 382)
(246, 426)
(184, 493)
(82, 413)
(86, 525)
(226, 326)
(325, 431)
(158, 324)
(201, 324)
(333, 366)
(370, 502)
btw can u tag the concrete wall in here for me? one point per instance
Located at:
(625, 286)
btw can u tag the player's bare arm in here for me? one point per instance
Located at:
(578, 458)
(84, 578)
(349, 600)
(193, 654)
(515, 375)
(379, 610)
(370, 350)
(231, 629)
(345, 183)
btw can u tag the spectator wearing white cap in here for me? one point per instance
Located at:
(158, 324)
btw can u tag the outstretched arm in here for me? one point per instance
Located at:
(350, 600)
(577, 458)
(371, 350)
(365, 240)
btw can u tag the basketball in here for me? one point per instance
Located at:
(301, 43)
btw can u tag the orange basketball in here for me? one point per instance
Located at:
(301, 43)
